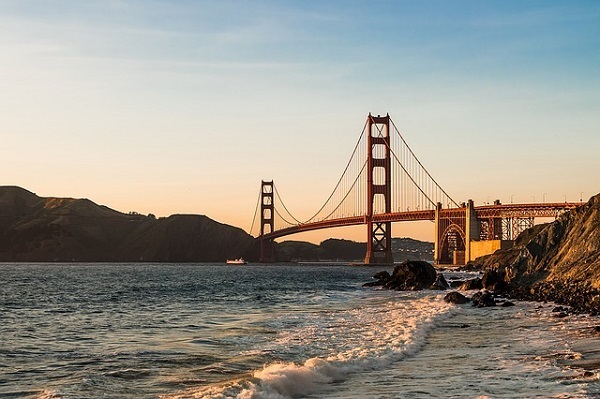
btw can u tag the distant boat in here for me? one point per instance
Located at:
(239, 261)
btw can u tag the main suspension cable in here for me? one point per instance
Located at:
(349, 191)
(284, 219)
(421, 165)
(256, 210)
(283, 204)
(342, 176)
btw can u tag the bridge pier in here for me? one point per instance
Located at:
(267, 251)
(436, 241)
(472, 232)
(379, 244)
(267, 222)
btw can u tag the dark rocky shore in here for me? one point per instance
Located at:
(556, 262)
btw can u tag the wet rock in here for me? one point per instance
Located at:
(456, 297)
(483, 299)
(507, 304)
(490, 277)
(493, 281)
(381, 278)
(455, 283)
(377, 283)
(472, 284)
(411, 276)
(440, 283)
(383, 275)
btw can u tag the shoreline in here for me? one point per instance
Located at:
(521, 351)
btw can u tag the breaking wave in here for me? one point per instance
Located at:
(335, 346)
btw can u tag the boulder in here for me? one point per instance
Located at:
(456, 283)
(483, 299)
(456, 297)
(377, 283)
(381, 278)
(492, 281)
(440, 283)
(411, 276)
(472, 284)
(383, 275)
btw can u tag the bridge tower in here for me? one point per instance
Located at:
(267, 221)
(379, 190)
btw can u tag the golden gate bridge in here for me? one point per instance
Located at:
(384, 182)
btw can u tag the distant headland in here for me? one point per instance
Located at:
(38, 229)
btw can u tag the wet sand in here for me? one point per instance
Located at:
(588, 349)
(499, 353)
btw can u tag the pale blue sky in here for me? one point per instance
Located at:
(184, 106)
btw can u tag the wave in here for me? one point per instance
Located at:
(346, 342)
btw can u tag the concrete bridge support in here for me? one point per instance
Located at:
(436, 242)
(472, 232)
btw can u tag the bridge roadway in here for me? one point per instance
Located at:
(482, 212)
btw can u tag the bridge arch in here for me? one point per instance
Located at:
(452, 244)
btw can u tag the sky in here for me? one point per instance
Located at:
(170, 107)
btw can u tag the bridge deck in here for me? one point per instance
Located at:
(486, 211)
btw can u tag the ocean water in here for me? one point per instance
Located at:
(268, 331)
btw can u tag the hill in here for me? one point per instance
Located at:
(345, 250)
(36, 229)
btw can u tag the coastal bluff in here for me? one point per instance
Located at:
(36, 229)
(558, 261)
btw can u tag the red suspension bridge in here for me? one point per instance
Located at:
(384, 182)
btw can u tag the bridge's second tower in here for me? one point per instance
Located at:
(379, 190)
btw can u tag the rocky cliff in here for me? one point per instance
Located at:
(66, 229)
(558, 261)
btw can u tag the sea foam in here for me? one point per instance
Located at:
(344, 342)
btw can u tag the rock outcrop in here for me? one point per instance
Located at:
(471, 284)
(483, 299)
(407, 276)
(559, 261)
(456, 297)
(440, 283)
